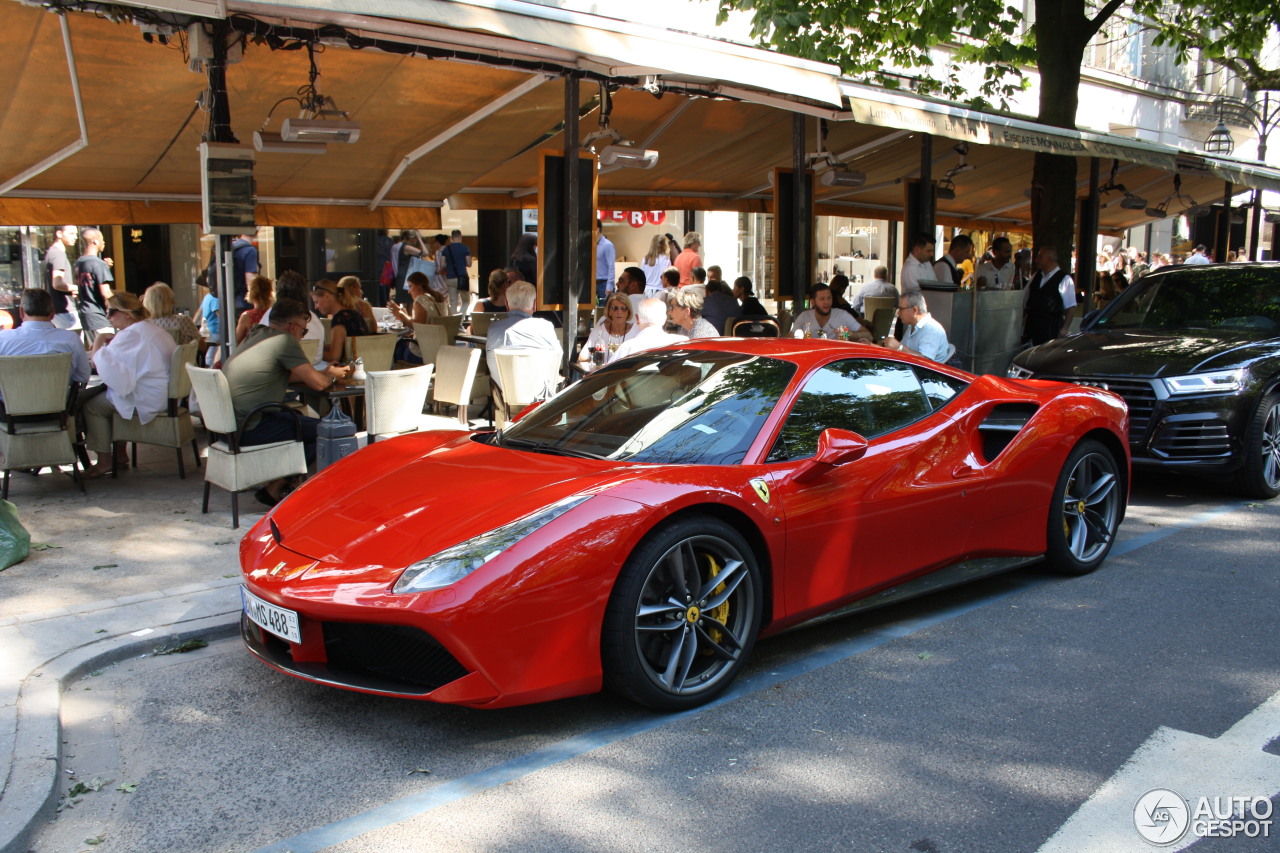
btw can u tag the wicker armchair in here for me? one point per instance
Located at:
(38, 429)
(394, 400)
(231, 466)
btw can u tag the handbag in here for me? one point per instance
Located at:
(388, 276)
(422, 265)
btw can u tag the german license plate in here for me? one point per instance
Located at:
(277, 620)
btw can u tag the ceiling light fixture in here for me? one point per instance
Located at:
(610, 147)
(319, 120)
(836, 173)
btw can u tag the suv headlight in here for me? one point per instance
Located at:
(453, 564)
(1217, 382)
(1017, 371)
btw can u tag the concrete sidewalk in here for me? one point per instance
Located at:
(131, 568)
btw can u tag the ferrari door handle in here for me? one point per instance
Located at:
(962, 471)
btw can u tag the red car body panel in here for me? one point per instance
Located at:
(526, 625)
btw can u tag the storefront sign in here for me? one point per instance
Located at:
(634, 218)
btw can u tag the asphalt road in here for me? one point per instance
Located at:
(978, 719)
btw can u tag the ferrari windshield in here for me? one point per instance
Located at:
(685, 406)
(1231, 298)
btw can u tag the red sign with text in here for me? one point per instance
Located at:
(634, 218)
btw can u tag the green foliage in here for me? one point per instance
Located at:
(879, 40)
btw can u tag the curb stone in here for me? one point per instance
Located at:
(31, 790)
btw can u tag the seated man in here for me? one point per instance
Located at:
(520, 329)
(824, 320)
(38, 336)
(651, 318)
(260, 372)
(878, 286)
(925, 335)
(719, 305)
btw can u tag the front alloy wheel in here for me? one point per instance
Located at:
(683, 616)
(1086, 509)
(1260, 475)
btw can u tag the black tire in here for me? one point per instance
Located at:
(673, 637)
(1085, 511)
(1260, 475)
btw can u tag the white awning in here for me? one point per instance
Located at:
(605, 45)
(870, 105)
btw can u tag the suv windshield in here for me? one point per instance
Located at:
(685, 407)
(1229, 298)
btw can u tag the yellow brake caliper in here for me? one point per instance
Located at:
(721, 613)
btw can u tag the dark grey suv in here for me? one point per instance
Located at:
(1195, 352)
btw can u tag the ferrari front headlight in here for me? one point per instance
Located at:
(453, 564)
(1217, 382)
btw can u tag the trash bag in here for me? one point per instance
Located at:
(15, 541)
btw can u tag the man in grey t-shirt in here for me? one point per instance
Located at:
(60, 281)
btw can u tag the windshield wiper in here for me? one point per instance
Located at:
(547, 447)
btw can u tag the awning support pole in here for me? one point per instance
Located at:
(1087, 239)
(800, 265)
(1222, 240)
(570, 218)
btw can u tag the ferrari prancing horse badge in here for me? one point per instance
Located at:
(762, 489)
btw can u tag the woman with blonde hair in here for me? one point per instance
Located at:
(607, 335)
(261, 294)
(689, 258)
(133, 363)
(351, 285)
(654, 262)
(345, 321)
(684, 308)
(158, 300)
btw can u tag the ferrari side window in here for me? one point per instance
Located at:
(866, 396)
(939, 388)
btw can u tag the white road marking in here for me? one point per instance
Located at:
(1189, 764)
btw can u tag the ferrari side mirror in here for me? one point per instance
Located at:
(835, 447)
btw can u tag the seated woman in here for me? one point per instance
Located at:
(350, 285)
(133, 363)
(158, 300)
(496, 302)
(684, 308)
(426, 304)
(261, 294)
(616, 327)
(345, 321)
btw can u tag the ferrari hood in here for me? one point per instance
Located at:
(399, 501)
(1137, 353)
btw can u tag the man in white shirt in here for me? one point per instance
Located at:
(824, 320)
(918, 264)
(651, 318)
(997, 273)
(1049, 299)
(925, 335)
(948, 266)
(519, 329)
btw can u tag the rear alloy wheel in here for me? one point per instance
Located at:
(683, 616)
(1260, 476)
(1085, 512)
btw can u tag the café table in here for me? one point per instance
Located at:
(323, 401)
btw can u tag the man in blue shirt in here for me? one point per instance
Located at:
(606, 258)
(457, 260)
(244, 262)
(38, 336)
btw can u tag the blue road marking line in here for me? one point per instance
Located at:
(380, 817)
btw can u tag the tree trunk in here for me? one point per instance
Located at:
(1062, 34)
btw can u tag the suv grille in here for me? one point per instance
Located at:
(1193, 440)
(1138, 395)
